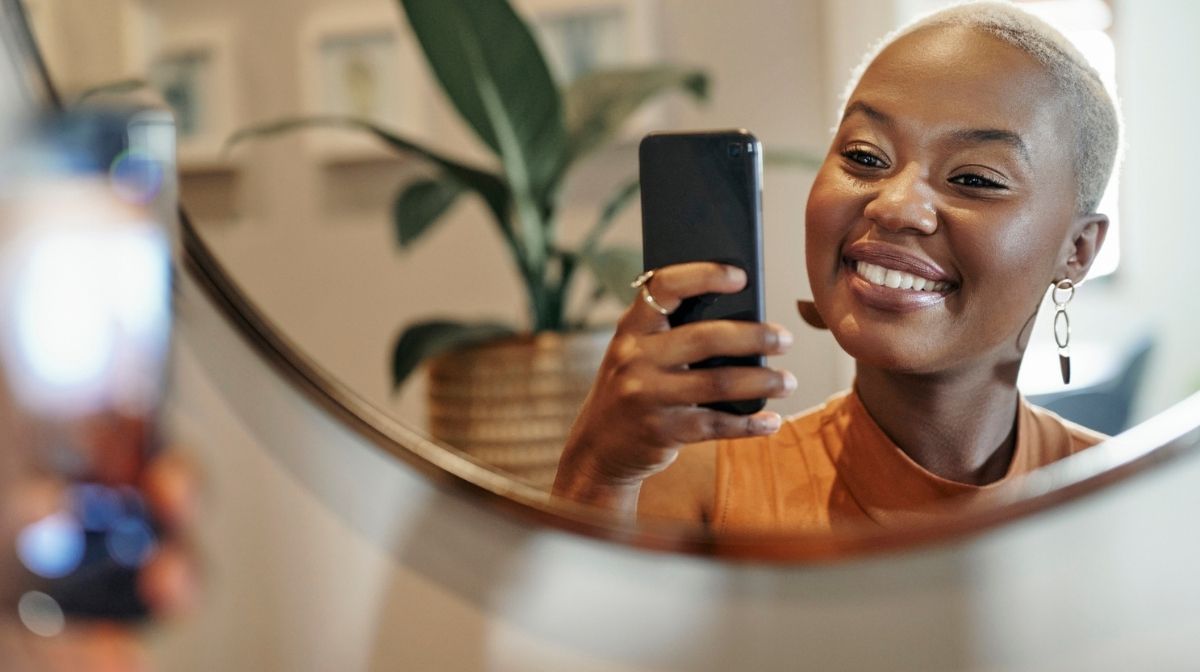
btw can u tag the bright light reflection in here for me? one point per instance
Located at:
(65, 335)
(97, 506)
(53, 547)
(131, 542)
(41, 614)
(90, 314)
(139, 282)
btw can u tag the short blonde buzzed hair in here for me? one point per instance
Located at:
(1097, 120)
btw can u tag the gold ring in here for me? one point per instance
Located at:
(643, 283)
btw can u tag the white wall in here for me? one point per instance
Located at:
(1158, 94)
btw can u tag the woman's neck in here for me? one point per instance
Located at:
(961, 426)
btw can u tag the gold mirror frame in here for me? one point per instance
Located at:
(1151, 444)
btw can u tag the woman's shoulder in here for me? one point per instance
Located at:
(684, 491)
(1055, 435)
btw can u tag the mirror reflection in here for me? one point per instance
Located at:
(451, 227)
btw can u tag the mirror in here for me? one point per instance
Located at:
(303, 219)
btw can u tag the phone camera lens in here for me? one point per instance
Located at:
(735, 150)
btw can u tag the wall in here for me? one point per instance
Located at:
(1162, 241)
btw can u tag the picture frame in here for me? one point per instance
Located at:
(579, 36)
(361, 62)
(191, 68)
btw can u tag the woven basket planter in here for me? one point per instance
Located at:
(511, 403)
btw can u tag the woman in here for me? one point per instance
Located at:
(961, 183)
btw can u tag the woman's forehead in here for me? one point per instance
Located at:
(967, 49)
(959, 75)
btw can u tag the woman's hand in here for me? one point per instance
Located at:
(168, 584)
(643, 405)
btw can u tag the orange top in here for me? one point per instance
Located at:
(834, 466)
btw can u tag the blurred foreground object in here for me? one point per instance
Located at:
(87, 204)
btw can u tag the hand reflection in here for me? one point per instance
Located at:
(36, 636)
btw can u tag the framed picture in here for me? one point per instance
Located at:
(363, 63)
(582, 36)
(579, 36)
(191, 70)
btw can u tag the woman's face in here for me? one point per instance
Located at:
(942, 211)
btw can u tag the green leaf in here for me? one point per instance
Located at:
(617, 202)
(489, 64)
(615, 268)
(428, 339)
(599, 103)
(792, 158)
(494, 190)
(420, 204)
(490, 187)
(608, 279)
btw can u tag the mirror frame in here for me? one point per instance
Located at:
(1158, 441)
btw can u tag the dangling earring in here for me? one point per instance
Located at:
(1061, 295)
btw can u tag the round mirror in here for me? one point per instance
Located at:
(349, 173)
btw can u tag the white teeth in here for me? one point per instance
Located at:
(889, 277)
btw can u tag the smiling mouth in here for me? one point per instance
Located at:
(882, 276)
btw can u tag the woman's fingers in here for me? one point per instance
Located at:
(692, 425)
(729, 383)
(712, 338)
(172, 489)
(643, 404)
(672, 284)
(170, 583)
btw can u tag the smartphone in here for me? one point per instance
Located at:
(702, 201)
(85, 292)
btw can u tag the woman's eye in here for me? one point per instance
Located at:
(864, 158)
(976, 181)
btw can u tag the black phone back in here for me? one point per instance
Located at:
(701, 201)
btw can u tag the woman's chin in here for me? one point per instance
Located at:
(888, 348)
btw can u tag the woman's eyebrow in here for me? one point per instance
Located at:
(976, 136)
(969, 136)
(874, 114)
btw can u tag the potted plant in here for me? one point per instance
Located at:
(505, 394)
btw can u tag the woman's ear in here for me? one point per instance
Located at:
(1087, 235)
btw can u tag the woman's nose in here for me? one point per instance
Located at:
(905, 200)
